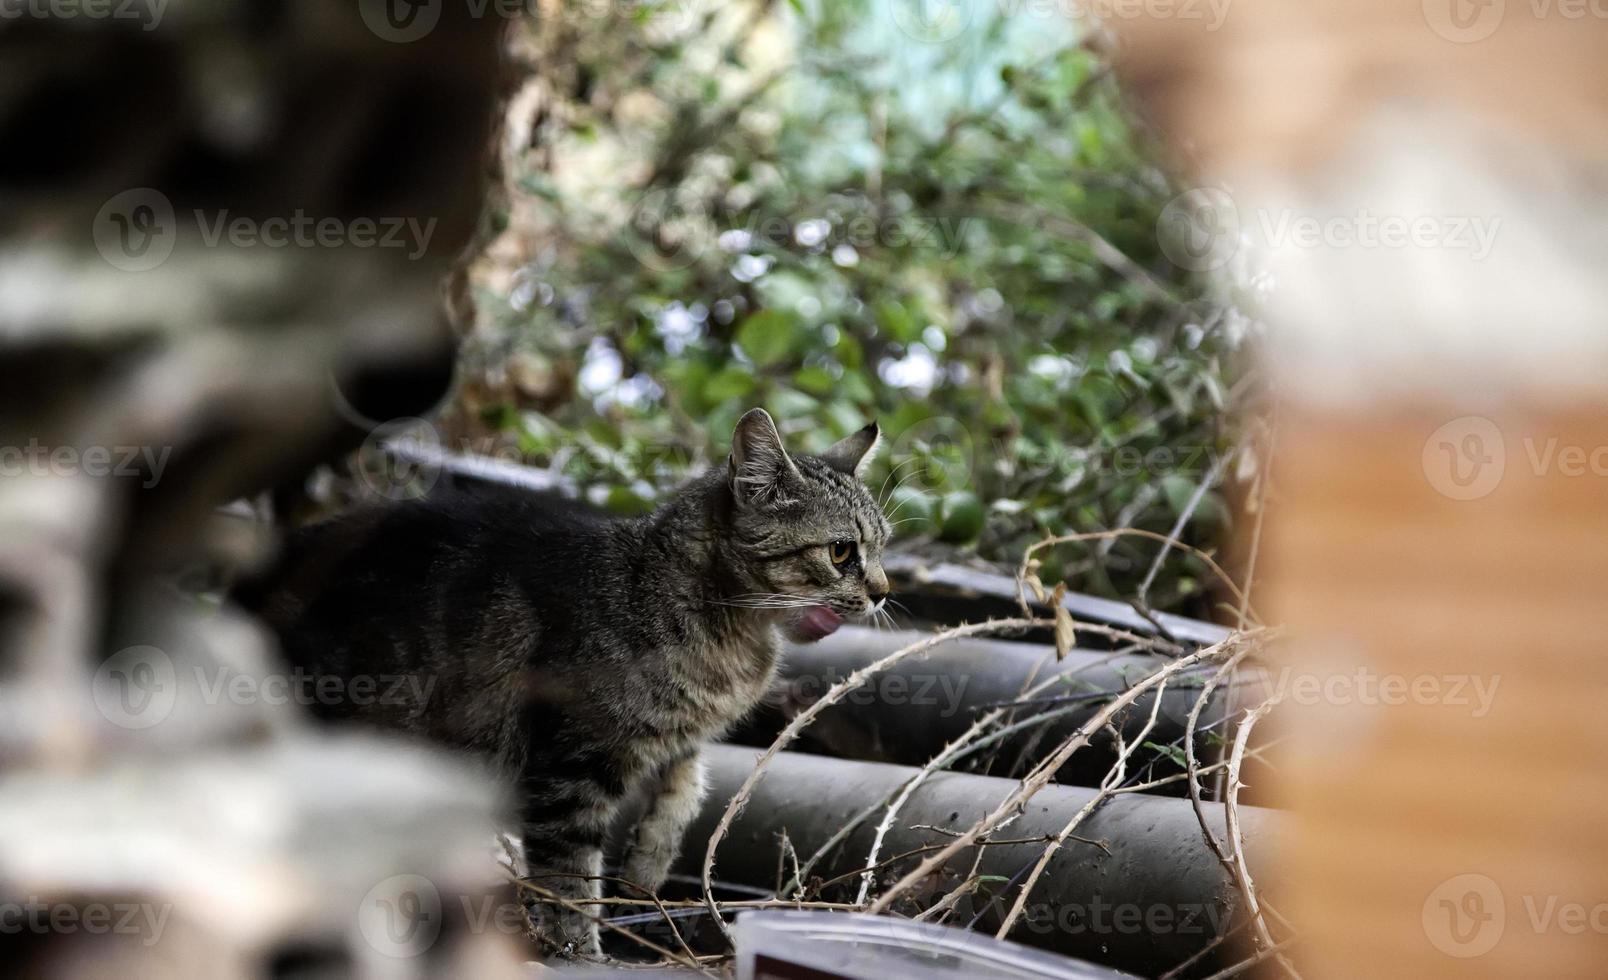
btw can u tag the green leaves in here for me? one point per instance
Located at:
(768, 337)
(795, 246)
(816, 380)
(897, 322)
(731, 382)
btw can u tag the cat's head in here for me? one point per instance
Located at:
(808, 532)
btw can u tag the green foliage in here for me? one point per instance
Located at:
(799, 207)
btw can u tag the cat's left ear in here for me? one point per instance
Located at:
(760, 467)
(853, 454)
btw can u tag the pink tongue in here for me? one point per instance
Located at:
(819, 622)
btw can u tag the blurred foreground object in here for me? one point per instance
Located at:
(785, 942)
(226, 229)
(1423, 184)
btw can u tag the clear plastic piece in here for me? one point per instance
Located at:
(816, 945)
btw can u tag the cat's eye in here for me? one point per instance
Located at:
(840, 551)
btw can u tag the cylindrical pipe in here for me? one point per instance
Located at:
(1137, 889)
(908, 713)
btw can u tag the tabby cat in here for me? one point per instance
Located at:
(588, 657)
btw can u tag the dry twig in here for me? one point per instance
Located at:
(1040, 776)
(804, 717)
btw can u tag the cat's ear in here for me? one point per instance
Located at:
(759, 465)
(853, 454)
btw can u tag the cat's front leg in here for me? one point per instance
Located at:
(563, 846)
(658, 835)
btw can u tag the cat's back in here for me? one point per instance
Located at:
(409, 579)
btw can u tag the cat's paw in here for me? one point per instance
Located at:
(563, 933)
(582, 946)
(648, 868)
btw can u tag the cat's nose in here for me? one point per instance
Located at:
(876, 583)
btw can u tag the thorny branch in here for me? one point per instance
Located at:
(832, 696)
(997, 724)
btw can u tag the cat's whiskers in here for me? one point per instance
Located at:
(761, 604)
(766, 600)
(902, 481)
(882, 498)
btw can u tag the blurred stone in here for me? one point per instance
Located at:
(230, 242)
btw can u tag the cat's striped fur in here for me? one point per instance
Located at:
(587, 656)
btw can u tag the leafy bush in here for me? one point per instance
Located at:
(803, 207)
